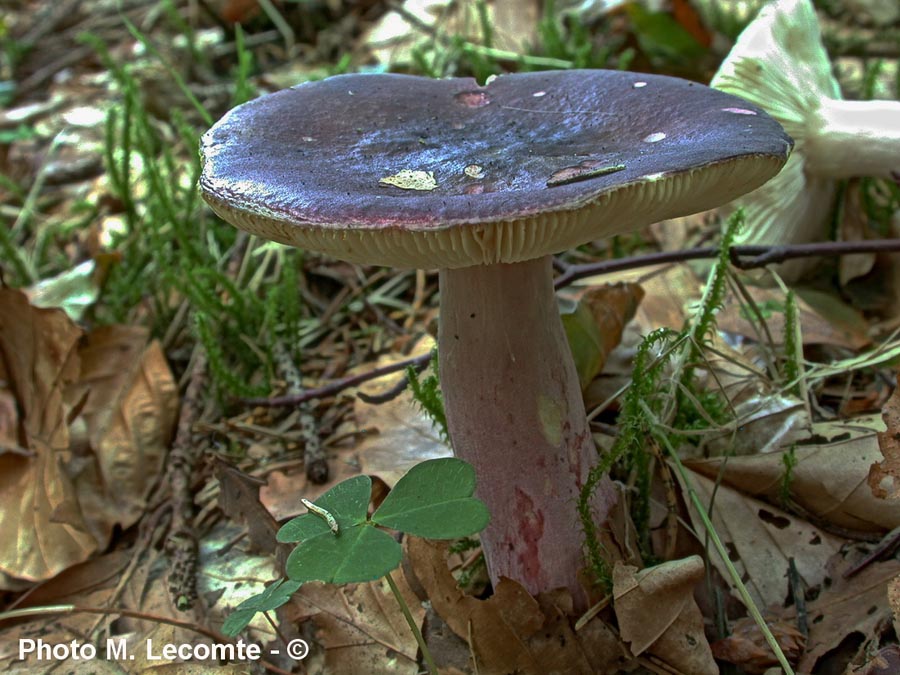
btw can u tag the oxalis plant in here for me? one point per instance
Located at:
(338, 543)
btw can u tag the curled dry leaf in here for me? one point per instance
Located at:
(760, 539)
(61, 498)
(746, 647)
(239, 500)
(845, 607)
(828, 479)
(886, 661)
(657, 613)
(357, 625)
(595, 324)
(512, 631)
(44, 530)
(884, 477)
(130, 405)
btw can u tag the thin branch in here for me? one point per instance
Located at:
(742, 257)
(339, 385)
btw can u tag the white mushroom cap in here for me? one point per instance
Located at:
(779, 63)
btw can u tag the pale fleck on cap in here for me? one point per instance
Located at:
(409, 171)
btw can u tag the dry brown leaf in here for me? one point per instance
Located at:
(854, 225)
(828, 480)
(359, 624)
(886, 661)
(648, 601)
(884, 477)
(656, 612)
(131, 403)
(893, 592)
(766, 419)
(97, 586)
(239, 500)
(815, 328)
(44, 531)
(9, 423)
(63, 497)
(93, 588)
(847, 606)
(283, 489)
(760, 539)
(595, 324)
(512, 631)
(399, 434)
(668, 291)
(80, 580)
(746, 647)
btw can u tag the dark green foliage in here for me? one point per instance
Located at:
(630, 445)
(789, 459)
(793, 349)
(173, 251)
(427, 393)
(646, 410)
(276, 594)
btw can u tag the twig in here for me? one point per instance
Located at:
(387, 396)
(884, 548)
(339, 385)
(760, 256)
(313, 453)
(181, 543)
(742, 257)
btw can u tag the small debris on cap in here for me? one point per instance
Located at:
(407, 179)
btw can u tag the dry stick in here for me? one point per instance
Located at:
(798, 592)
(313, 454)
(339, 385)
(884, 548)
(742, 257)
(181, 543)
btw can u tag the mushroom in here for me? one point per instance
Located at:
(486, 183)
(779, 63)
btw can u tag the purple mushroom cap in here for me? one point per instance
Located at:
(415, 172)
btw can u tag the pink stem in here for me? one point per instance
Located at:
(515, 412)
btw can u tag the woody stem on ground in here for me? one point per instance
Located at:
(181, 542)
(742, 257)
(515, 412)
